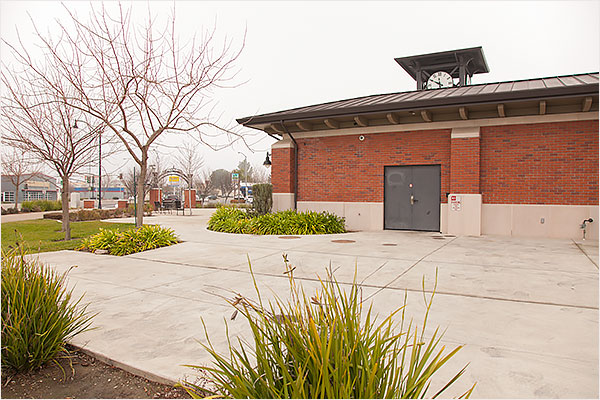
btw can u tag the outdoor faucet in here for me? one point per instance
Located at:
(584, 225)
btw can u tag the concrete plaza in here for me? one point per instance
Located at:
(525, 309)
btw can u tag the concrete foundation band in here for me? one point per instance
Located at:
(473, 219)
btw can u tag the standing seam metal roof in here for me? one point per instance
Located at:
(577, 84)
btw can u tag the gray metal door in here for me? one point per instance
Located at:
(412, 197)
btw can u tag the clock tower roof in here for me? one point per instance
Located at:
(461, 64)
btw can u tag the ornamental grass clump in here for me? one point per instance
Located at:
(131, 241)
(326, 346)
(39, 315)
(233, 220)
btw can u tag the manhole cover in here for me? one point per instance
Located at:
(390, 244)
(343, 241)
(289, 237)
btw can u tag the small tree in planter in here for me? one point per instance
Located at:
(263, 198)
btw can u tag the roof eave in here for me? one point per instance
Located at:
(523, 95)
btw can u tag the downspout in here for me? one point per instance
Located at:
(295, 165)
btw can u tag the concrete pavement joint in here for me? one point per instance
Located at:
(411, 267)
(475, 296)
(380, 287)
(520, 267)
(586, 254)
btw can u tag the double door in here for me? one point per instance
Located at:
(412, 197)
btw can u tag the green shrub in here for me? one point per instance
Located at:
(38, 312)
(322, 347)
(91, 215)
(262, 194)
(130, 241)
(41, 205)
(148, 208)
(232, 220)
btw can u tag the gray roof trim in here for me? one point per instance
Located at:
(531, 89)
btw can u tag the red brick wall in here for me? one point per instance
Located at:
(342, 168)
(282, 174)
(550, 163)
(464, 166)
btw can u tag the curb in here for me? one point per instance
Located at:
(126, 367)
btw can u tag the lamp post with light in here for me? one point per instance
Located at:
(245, 174)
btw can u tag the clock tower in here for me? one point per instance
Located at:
(445, 69)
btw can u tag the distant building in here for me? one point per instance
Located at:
(32, 187)
(109, 193)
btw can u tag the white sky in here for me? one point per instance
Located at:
(302, 53)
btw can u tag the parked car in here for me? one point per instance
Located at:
(212, 197)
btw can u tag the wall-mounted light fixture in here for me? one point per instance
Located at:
(267, 162)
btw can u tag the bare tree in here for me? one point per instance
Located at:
(261, 174)
(204, 184)
(221, 179)
(38, 122)
(130, 181)
(139, 81)
(17, 166)
(189, 161)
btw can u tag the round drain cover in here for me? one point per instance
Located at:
(289, 237)
(390, 244)
(343, 241)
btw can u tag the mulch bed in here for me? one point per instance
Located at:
(84, 377)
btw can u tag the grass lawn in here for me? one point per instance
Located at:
(42, 235)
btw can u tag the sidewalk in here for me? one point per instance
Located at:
(23, 216)
(526, 309)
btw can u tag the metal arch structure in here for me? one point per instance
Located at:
(175, 171)
(187, 179)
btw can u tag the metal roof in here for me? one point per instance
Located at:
(473, 59)
(529, 89)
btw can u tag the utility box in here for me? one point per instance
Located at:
(75, 200)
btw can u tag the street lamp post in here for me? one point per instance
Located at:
(245, 173)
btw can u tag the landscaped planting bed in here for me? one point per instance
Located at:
(115, 242)
(234, 220)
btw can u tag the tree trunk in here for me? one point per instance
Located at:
(139, 217)
(66, 222)
(17, 194)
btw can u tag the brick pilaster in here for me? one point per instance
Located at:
(464, 161)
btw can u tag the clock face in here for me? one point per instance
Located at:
(439, 80)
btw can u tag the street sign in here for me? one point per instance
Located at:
(235, 176)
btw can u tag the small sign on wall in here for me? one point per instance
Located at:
(455, 202)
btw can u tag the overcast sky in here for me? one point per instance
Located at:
(302, 53)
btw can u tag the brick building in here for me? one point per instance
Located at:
(516, 158)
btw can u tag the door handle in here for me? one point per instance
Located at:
(412, 199)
